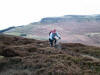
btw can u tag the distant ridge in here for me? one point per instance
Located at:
(65, 18)
(4, 30)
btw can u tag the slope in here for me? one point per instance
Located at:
(73, 28)
(21, 56)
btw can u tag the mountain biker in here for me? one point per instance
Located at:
(52, 37)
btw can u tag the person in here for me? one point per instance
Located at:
(52, 37)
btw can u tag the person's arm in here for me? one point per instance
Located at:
(58, 35)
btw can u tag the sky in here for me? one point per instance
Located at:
(23, 12)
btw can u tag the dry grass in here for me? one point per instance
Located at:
(34, 57)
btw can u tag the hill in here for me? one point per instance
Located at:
(73, 28)
(21, 56)
(4, 30)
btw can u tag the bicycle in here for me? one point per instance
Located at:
(58, 44)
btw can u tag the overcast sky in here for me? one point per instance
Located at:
(23, 12)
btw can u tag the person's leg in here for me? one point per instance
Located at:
(51, 42)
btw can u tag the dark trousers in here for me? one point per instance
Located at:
(52, 41)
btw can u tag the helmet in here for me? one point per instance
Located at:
(54, 31)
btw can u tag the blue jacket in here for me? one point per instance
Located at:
(53, 35)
